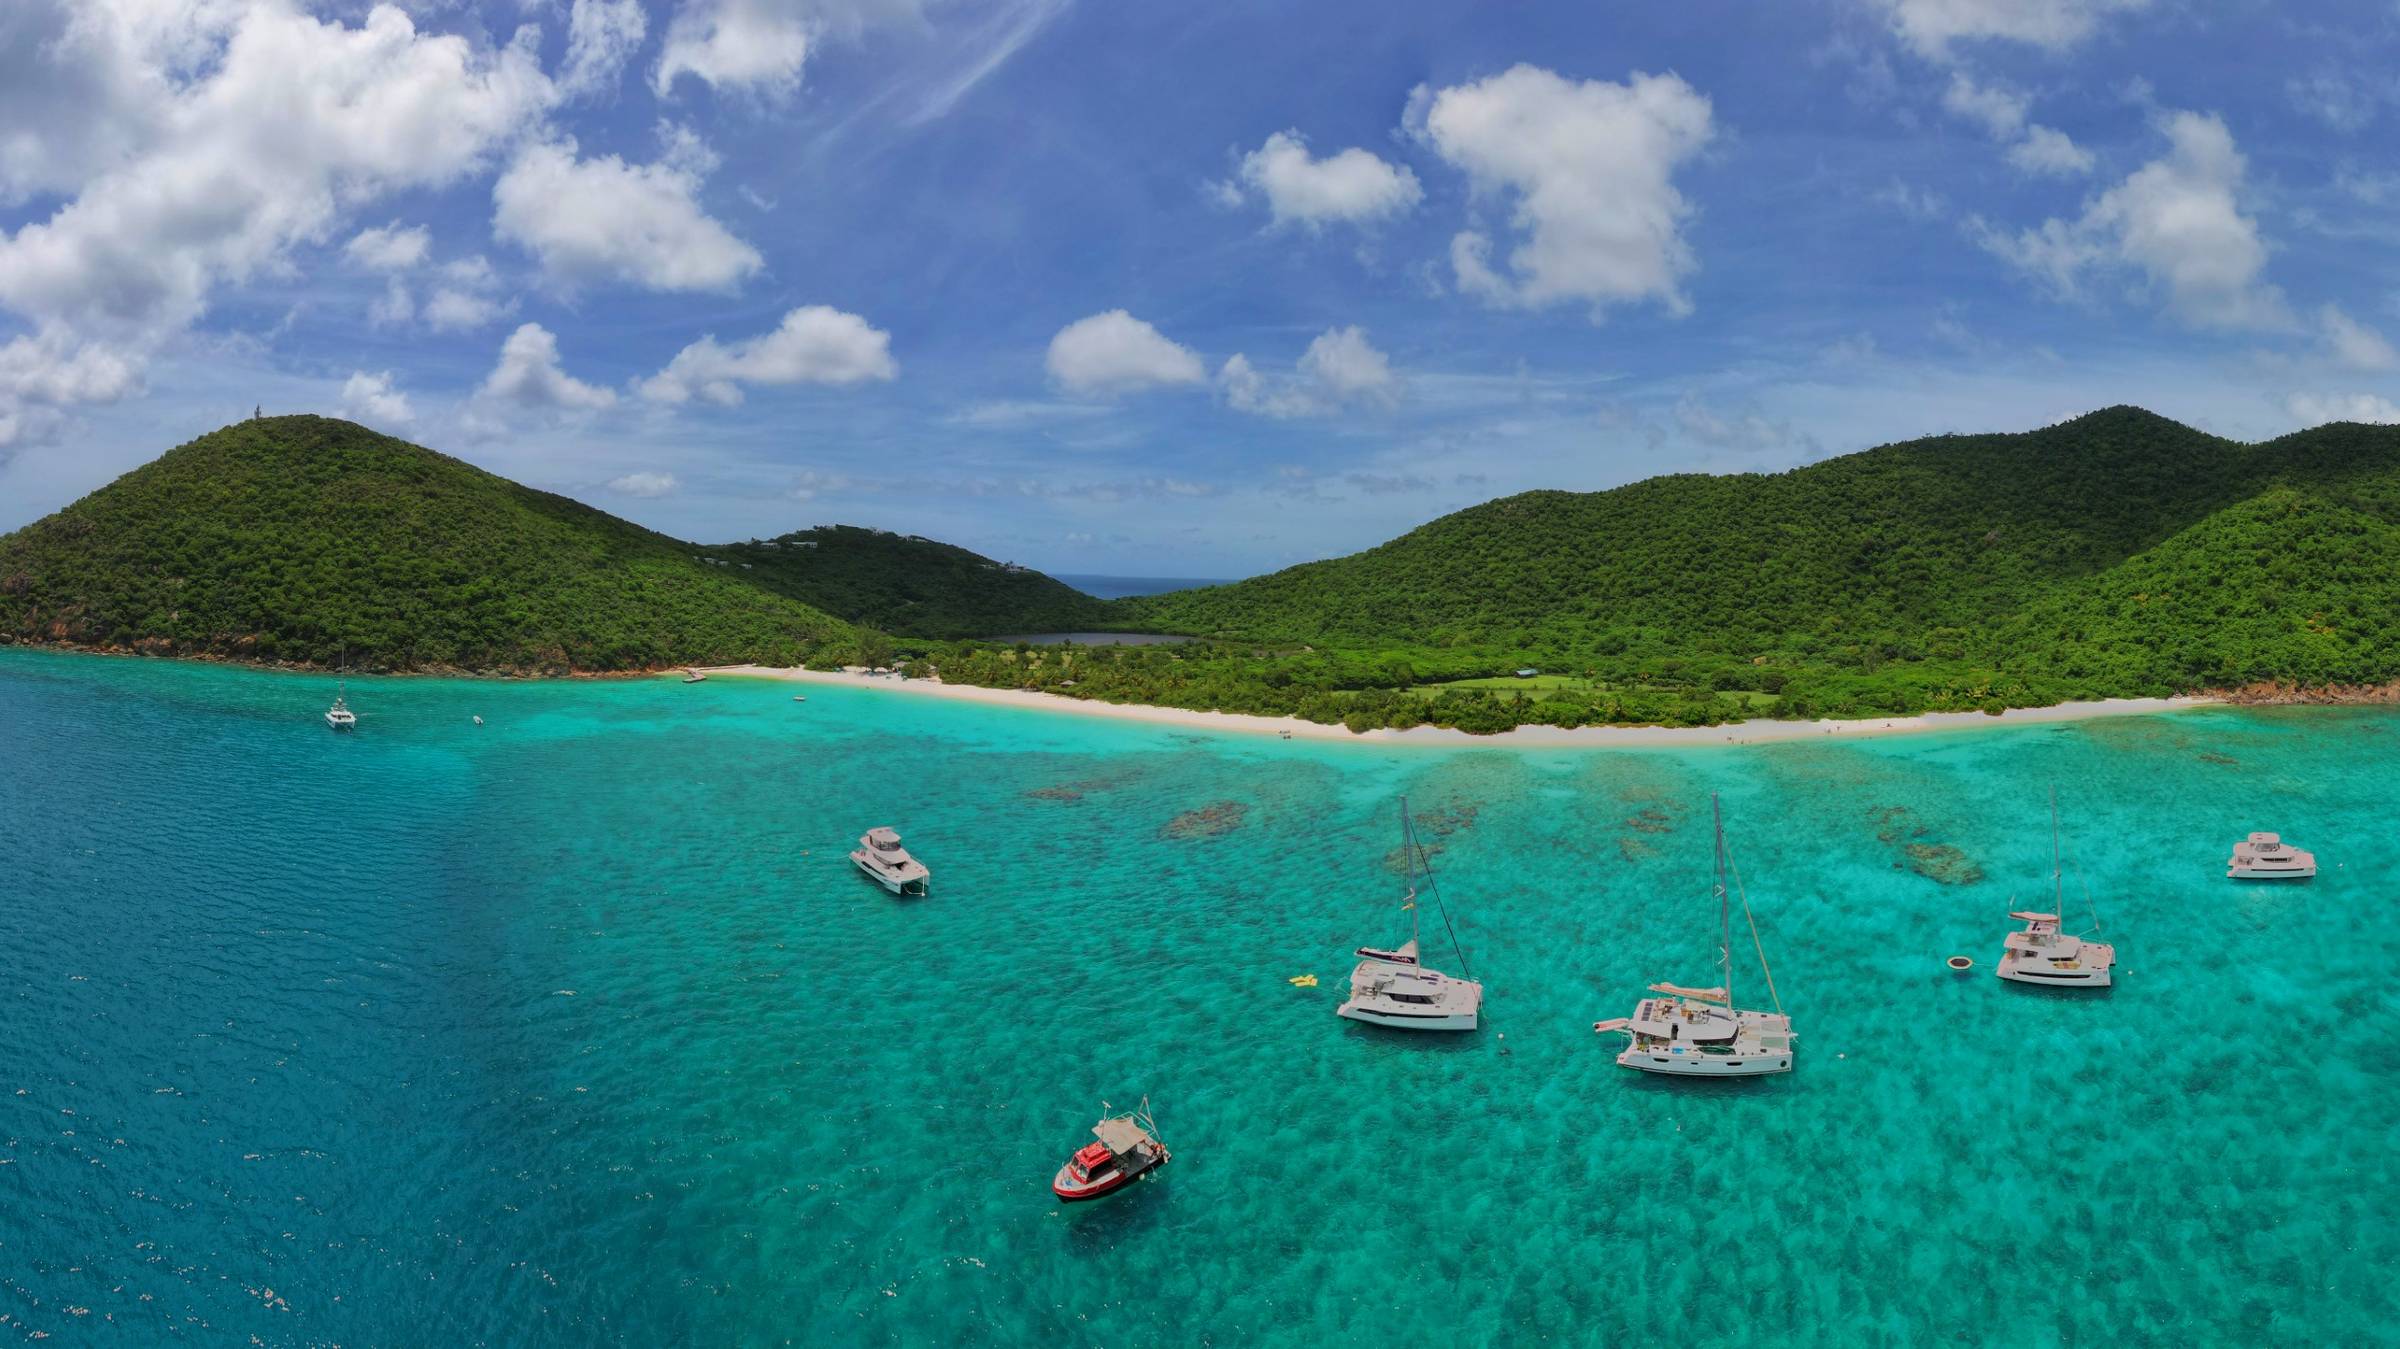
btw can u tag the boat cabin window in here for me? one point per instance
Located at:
(1419, 999)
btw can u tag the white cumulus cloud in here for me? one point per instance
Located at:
(736, 44)
(453, 310)
(602, 35)
(2048, 151)
(374, 399)
(2355, 344)
(206, 142)
(2178, 222)
(604, 219)
(1999, 109)
(530, 376)
(1353, 186)
(1589, 169)
(2003, 114)
(814, 345)
(1115, 352)
(1340, 368)
(1930, 26)
(40, 373)
(644, 484)
(2311, 409)
(389, 248)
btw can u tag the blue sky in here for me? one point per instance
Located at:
(1195, 290)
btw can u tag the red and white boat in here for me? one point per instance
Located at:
(1128, 1146)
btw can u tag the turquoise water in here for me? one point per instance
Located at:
(576, 1028)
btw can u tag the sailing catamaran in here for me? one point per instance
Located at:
(1395, 988)
(339, 716)
(1698, 1032)
(2042, 953)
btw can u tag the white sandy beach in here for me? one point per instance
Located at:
(1524, 737)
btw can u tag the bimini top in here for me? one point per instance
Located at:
(884, 837)
(1119, 1135)
(2036, 917)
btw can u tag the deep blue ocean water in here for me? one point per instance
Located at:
(576, 1028)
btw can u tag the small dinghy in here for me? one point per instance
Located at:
(694, 677)
(1128, 1147)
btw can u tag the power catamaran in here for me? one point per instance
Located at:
(1698, 1032)
(1395, 988)
(2041, 952)
(339, 716)
(2266, 857)
(886, 863)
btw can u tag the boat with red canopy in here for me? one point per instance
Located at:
(1127, 1147)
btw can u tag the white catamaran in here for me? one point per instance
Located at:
(1698, 1032)
(2041, 952)
(1395, 988)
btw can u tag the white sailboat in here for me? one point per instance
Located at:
(1699, 1032)
(339, 716)
(1395, 988)
(2042, 952)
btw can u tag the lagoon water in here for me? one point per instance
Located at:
(576, 1028)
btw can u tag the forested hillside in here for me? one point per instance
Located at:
(909, 585)
(317, 541)
(2118, 554)
(1874, 555)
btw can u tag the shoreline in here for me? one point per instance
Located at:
(1760, 732)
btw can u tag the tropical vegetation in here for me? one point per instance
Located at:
(2118, 554)
(314, 541)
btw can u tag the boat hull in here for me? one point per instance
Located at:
(912, 889)
(2242, 873)
(1408, 1020)
(2019, 974)
(1681, 1061)
(1068, 1188)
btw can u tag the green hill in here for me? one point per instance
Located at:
(1898, 553)
(904, 584)
(311, 540)
(2288, 586)
(2118, 554)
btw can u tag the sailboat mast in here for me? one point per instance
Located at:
(1716, 811)
(2058, 885)
(1408, 845)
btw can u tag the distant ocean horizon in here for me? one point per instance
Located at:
(1121, 587)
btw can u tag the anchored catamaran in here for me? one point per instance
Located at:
(886, 863)
(2042, 953)
(1698, 1032)
(1395, 988)
(339, 716)
(2266, 857)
